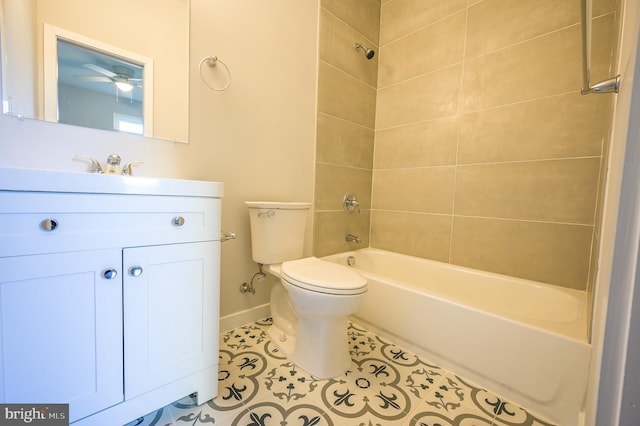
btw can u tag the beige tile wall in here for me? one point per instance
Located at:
(346, 122)
(486, 155)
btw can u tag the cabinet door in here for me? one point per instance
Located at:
(170, 313)
(61, 330)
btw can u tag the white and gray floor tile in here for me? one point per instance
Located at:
(385, 386)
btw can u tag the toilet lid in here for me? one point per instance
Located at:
(323, 276)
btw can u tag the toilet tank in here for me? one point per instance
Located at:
(277, 230)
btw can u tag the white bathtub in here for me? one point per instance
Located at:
(523, 340)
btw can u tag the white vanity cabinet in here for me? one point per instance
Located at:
(108, 292)
(168, 293)
(61, 329)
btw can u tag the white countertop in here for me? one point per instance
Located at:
(14, 179)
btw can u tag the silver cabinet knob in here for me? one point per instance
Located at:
(177, 221)
(109, 274)
(135, 271)
(49, 224)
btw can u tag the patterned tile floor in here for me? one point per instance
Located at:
(386, 386)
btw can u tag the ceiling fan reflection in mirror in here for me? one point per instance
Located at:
(121, 76)
(82, 66)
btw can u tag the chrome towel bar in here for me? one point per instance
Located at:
(610, 85)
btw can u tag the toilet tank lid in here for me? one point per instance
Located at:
(284, 205)
(323, 276)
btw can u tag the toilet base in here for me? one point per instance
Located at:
(320, 347)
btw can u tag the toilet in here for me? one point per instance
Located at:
(311, 301)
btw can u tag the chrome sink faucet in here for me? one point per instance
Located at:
(112, 166)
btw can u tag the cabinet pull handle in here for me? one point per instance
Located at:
(135, 271)
(177, 221)
(49, 224)
(109, 274)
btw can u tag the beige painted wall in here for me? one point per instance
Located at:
(21, 85)
(258, 137)
(158, 30)
(486, 155)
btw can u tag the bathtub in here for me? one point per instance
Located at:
(523, 340)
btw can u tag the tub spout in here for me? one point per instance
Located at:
(353, 238)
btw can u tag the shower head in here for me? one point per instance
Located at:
(367, 52)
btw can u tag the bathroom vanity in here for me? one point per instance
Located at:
(109, 292)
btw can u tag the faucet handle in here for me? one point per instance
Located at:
(96, 167)
(127, 169)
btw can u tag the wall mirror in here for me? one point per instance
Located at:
(107, 64)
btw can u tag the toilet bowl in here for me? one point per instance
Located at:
(320, 295)
(311, 301)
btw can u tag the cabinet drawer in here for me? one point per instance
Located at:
(33, 223)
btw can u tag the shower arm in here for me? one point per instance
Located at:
(368, 53)
(610, 85)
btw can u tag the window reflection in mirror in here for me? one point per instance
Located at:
(87, 69)
(157, 30)
(99, 90)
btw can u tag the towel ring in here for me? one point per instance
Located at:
(212, 61)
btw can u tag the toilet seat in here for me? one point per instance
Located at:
(322, 276)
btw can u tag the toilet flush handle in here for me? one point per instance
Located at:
(268, 213)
